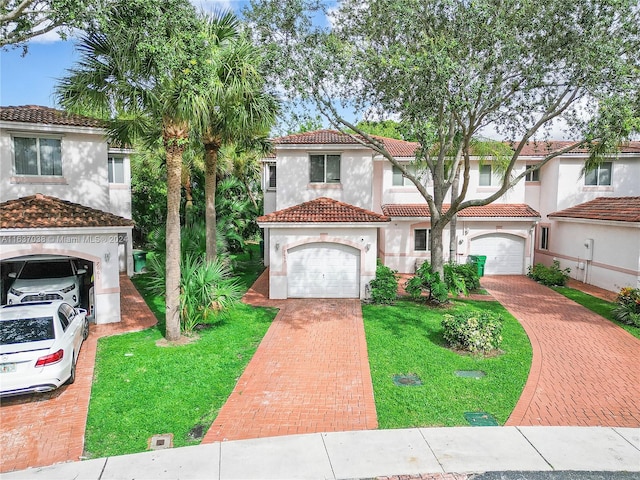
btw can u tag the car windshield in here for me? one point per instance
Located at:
(36, 270)
(25, 330)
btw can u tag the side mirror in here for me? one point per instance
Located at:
(13, 275)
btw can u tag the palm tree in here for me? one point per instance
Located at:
(145, 72)
(240, 108)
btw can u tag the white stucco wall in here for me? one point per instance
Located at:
(282, 239)
(616, 252)
(97, 245)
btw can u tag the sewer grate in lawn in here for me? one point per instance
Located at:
(480, 419)
(470, 373)
(407, 380)
(160, 442)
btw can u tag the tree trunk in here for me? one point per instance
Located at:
(453, 241)
(211, 148)
(172, 281)
(437, 250)
(188, 197)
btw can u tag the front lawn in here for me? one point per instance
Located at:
(596, 305)
(141, 389)
(407, 339)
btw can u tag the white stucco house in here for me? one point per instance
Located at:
(333, 207)
(64, 191)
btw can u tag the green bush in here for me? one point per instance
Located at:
(467, 273)
(549, 276)
(476, 332)
(384, 288)
(627, 309)
(426, 280)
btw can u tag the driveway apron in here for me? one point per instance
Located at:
(310, 374)
(584, 369)
(42, 429)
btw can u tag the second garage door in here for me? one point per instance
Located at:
(323, 270)
(505, 253)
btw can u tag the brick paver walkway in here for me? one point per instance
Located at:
(584, 370)
(39, 430)
(310, 374)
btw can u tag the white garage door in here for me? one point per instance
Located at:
(323, 270)
(505, 253)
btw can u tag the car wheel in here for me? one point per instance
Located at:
(85, 329)
(72, 377)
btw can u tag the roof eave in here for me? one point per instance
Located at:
(382, 223)
(611, 223)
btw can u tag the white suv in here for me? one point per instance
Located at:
(46, 277)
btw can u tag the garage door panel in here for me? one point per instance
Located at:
(505, 253)
(323, 271)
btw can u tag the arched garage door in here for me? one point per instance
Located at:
(323, 270)
(505, 253)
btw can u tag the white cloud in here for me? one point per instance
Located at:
(216, 5)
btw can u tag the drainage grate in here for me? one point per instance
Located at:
(408, 380)
(470, 373)
(480, 419)
(160, 442)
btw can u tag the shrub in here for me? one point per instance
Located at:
(384, 288)
(475, 332)
(427, 280)
(549, 276)
(627, 309)
(467, 273)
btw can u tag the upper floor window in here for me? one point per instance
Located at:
(325, 169)
(532, 175)
(116, 170)
(544, 238)
(601, 175)
(37, 156)
(485, 175)
(272, 183)
(421, 239)
(399, 180)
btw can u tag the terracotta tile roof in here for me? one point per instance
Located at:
(495, 210)
(46, 115)
(541, 148)
(397, 148)
(617, 209)
(42, 211)
(323, 210)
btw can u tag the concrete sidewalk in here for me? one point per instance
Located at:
(372, 453)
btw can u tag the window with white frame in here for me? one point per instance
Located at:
(324, 168)
(272, 179)
(38, 156)
(544, 238)
(116, 169)
(485, 176)
(601, 175)
(532, 175)
(399, 180)
(421, 239)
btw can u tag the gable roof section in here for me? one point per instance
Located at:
(42, 211)
(616, 209)
(323, 210)
(545, 147)
(493, 210)
(47, 116)
(397, 148)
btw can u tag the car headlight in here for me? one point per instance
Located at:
(68, 289)
(13, 291)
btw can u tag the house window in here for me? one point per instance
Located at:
(399, 180)
(116, 169)
(325, 168)
(544, 238)
(601, 175)
(532, 175)
(485, 175)
(422, 239)
(37, 156)
(272, 176)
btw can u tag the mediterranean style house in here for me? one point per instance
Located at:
(65, 192)
(333, 208)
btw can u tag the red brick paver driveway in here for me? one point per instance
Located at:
(40, 430)
(585, 368)
(309, 374)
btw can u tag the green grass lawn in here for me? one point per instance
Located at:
(141, 389)
(596, 305)
(407, 338)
